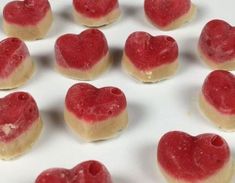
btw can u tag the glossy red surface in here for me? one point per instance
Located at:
(18, 111)
(147, 52)
(81, 51)
(217, 41)
(27, 12)
(95, 9)
(13, 51)
(219, 91)
(92, 104)
(164, 12)
(86, 172)
(192, 158)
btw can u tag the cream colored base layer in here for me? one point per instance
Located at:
(98, 131)
(97, 22)
(224, 175)
(21, 74)
(29, 32)
(181, 20)
(158, 74)
(228, 65)
(223, 121)
(90, 74)
(22, 143)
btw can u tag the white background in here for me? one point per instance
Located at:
(154, 109)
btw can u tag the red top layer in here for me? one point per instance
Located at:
(147, 52)
(81, 51)
(18, 111)
(12, 52)
(164, 12)
(219, 91)
(92, 104)
(217, 41)
(27, 12)
(95, 9)
(192, 158)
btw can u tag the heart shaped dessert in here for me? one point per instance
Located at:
(95, 114)
(149, 58)
(217, 99)
(16, 65)
(28, 19)
(96, 13)
(87, 172)
(217, 45)
(169, 14)
(83, 56)
(205, 158)
(20, 124)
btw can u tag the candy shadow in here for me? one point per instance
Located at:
(201, 13)
(116, 54)
(44, 61)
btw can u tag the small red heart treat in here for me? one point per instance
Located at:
(95, 113)
(16, 64)
(149, 58)
(83, 56)
(27, 19)
(169, 14)
(205, 158)
(20, 124)
(95, 13)
(87, 172)
(217, 45)
(217, 99)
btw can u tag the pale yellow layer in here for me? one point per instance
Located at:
(160, 73)
(224, 175)
(29, 32)
(96, 131)
(90, 74)
(18, 77)
(96, 22)
(22, 143)
(228, 65)
(179, 21)
(223, 121)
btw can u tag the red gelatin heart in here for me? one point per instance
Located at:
(147, 52)
(27, 12)
(86, 172)
(12, 52)
(17, 113)
(95, 9)
(219, 91)
(192, 158)
(217, 41)
(92, 104)
(81, 51)
(164, 12)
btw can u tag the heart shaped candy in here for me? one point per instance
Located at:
(86, 172)
(189, 159)
(217, 45)
(82, 56)
(95, 113)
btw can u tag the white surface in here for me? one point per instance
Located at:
(154, 109)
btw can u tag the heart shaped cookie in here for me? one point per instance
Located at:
(16, 65)
(20, 124)
(205, 158)
(28, 19)
(83, 56)
(149, 58)
(217, 45)
(86, 172)
(95, 13)
(95, 114)
(217, 99)
(169, 14)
